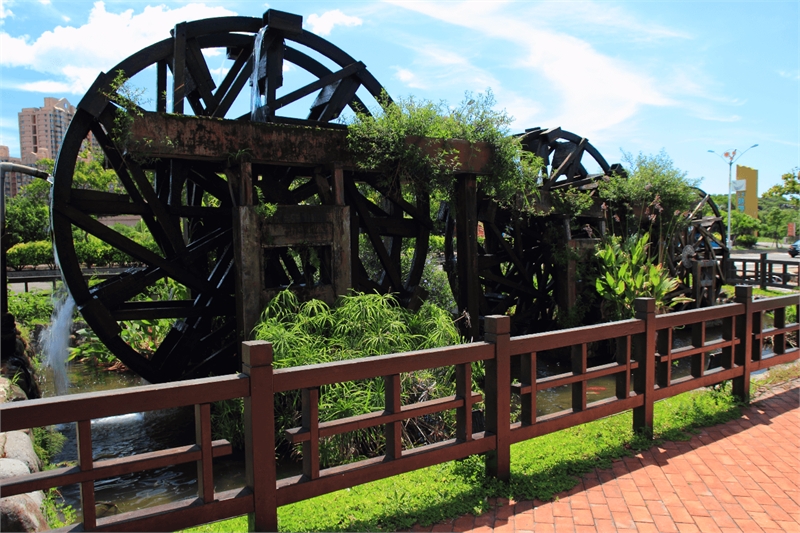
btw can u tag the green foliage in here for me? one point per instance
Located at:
(789, 189)
(142, 335)
(31, 308)
(128, 99)
(30, 254)
(27, 213)
(775, 222)
(47, 443)
(359, 325)
(627, 273)
(655, 197)
(748, 241)
(56, 511)
(742, 225)
(540, 468)
(378, 143)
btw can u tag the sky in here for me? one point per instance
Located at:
(632, 77)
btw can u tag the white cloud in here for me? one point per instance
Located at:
(44, 2)
(323, 24)
(409, 78)
(790, 74)
(4, 10)
(73, 56)
(596, 91)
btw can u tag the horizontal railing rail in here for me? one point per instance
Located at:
(644, 351)
(765, 272)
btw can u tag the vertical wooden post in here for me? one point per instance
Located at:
(644, 348)
(579, 366)
(464, 390)
(338, 183)
(528, 372)
(699, 341)
(259, 435)
(310, 400)
(467, 239)
(248, 256)
(498, 396)
(179, 68)
(742, 354)
(394, 444)
(85, 462)
(763, 272)
(623, 379)
(205, 466)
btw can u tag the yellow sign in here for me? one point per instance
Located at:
(747, 200)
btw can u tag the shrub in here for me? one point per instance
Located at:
(31, 308)
(748, 241)
(359, 325)
(31, 254)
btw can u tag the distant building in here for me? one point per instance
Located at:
(14, 180)
(42, 129)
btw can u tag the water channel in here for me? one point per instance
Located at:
(140, 432)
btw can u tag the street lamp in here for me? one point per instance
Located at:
(730, 158)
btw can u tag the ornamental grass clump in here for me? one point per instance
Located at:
(359, 325)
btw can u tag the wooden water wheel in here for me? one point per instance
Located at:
(517, 271)
(187, 200)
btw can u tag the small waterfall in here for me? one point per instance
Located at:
(55, 341)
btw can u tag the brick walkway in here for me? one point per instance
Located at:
(740, 476)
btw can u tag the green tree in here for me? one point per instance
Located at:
(775, 223)
(655, 197)
(741, 224)
(789, 189)
(27, 213)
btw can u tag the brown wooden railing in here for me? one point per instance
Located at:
(644, 356)
(765, 272)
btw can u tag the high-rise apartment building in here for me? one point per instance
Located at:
(41, 129)
(13, 180)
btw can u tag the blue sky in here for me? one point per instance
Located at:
(685, 77)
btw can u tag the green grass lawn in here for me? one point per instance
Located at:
(540, 468)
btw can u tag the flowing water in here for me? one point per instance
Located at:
(54, 341)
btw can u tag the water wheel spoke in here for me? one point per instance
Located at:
(172, 231)
(419, 214)
(359, 202)
(199, 74)
(319, 70)
(228, 82)
(321, 83)
(132, 248)
(508, 283)
(105, 203)
(156, 310)
(117, 161)
(211, 183)
(115, 291)
(230, 95)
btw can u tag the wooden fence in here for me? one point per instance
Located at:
(644, 356)
(54, 275)
(765, 272)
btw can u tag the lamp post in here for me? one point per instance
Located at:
(730, 158)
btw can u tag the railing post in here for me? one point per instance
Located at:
(644, 380)
(763, 269)
(742, 354)
(498, 396)
(259, 435)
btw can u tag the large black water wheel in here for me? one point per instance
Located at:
(186, 205)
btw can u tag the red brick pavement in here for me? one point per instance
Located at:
(743, 476)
